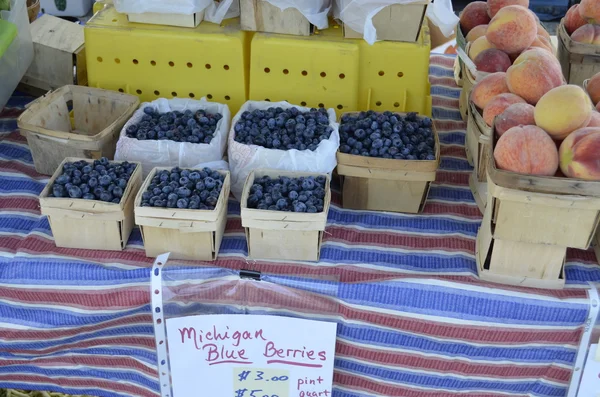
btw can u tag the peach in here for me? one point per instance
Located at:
(595, 120)
(542, 32)
(512, 30)
(479, 45)
(476, 32)
(593, 88)
(587, 34)
(493, 6)
(598, 106)
(492, 61)
(573, 19)
(579, 154)
(544, 43)
(526, 149)
(534, 73)
(498, 105)
(563, 110)
(474, 14)
(590, 10)
(514, 115)
(487, 88)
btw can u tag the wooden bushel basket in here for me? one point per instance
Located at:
(97, 118)
(90, 224)
(578, 61)
(187, 234)
(283, 235)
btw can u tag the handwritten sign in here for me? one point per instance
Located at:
(250, 356)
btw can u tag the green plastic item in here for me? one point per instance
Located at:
(8, 32)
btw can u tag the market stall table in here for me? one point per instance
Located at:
(414, 318)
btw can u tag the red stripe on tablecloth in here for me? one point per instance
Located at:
(14, 136)
(45, 334)
(445, 102)
(118, 297)
(85, 360)
(23, 204)
(453, 366)
(370, 386)
(139, 341)
(98, 383)
(390, 239)
(10, 113)
(22, 169)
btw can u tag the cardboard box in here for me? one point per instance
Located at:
(261, 16)
(90, 224)
(183, 20)
(398, 22)
(186, 233)
(59, 48)
(283, 235)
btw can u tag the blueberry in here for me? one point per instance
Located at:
(209, 183)
(211, 201)
(106, 196)
(63, 179)
(59, 191)
(182, 203)
(104, 180)
(183, 181)
(300, 207)
(117, 192)
(308, 184)
(183, 192)
(89, 196)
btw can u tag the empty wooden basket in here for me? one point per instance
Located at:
(75, 121)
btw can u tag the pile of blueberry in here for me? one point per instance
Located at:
(304, 194)
(198, 127)
(185, 189)
(387, 135)
(99, 180)
(285, 129)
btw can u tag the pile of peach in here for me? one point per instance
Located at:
(546, 126)
(580, 22)
(499, 31)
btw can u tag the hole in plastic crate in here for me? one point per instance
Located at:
(340, 107)
(158, 321)
(99, 59)
(323, 74)
(285, 71)
(303, 103)
(267, 100)
(156, 92)
(227, 97)
(209, 96)
(114, 20)
(400, 74)
(189, 64)
(396, 105)
(117, 60)
(121, 90)
(304, 73)
(174, 93)
(135, 62)
(171, 63)
(321, 105)
(378, 103)
(139, 92)
(381, 73)
(157, 309)
(192, 95)
(342, 76)
(156, 291)
(267, 70)
(161, 342)
(207, 66)
(153, 63)
(226, 67)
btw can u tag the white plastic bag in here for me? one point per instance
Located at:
(224, 9)
(167, 153)
(245, 158)
(358, 15)
(315, 11)
(186, 7)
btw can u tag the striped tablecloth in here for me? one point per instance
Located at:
(414, 318)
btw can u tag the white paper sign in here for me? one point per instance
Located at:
(250, 356)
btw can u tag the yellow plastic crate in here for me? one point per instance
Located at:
(154, 61)
(326, 70)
